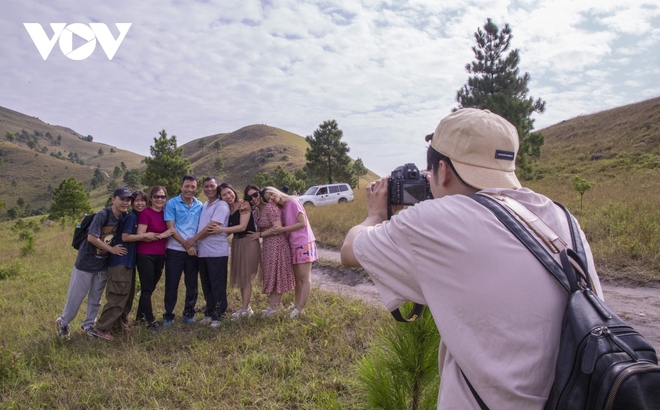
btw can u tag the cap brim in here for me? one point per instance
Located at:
(483, 178)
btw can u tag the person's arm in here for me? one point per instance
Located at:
(118, 250)
(376, 214)
(218, 228)
(177, 236)
(140, 236)
(201, 234)
(277, 224)
(300, 223)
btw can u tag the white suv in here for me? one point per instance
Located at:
(327, 194)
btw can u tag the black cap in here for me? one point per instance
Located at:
(122, 193)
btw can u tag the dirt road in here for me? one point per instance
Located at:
(638, 306)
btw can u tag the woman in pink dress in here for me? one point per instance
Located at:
(303, 244)
(275, 254)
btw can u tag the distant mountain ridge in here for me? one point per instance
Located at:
(623, 135)
(29, 162)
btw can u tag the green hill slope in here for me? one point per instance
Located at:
(37, 156)
(28, 159)
(608, 147)
(247, 152)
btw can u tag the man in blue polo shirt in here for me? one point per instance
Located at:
(182, 212)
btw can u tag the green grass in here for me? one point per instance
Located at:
(620, 217)
(254, 364)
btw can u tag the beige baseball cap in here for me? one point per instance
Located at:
(481, 145)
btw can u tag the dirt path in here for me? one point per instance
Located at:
(639, 306)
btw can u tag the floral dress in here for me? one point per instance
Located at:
(275, 254)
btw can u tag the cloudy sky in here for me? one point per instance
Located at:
(386, 70)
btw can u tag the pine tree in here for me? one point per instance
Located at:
(69, 200)
(327, 156)
(495, 85)
(166, 166)
(400, 370)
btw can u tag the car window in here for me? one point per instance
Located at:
(322, 191)
(343, 188)
(334, 189)
(311, 191)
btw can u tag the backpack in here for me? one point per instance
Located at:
(80, 233)
(603, 363)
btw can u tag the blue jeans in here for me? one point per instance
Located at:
(175, 263)
(213, 274)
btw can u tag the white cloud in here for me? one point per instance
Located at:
(387, 71)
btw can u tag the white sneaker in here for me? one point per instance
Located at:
(215, 323)
(241, 313)
(206, 321)
(295, 313)
(269, 312)
(291, 306)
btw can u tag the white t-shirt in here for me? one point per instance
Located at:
(498, 310)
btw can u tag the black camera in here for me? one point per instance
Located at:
(406, 186)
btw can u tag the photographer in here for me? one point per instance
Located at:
(499, 312)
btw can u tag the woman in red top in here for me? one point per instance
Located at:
(151, 252)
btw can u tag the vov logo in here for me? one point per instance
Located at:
(64, 32)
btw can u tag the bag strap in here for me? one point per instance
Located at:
(553, 241)
(519, 231)
(578, 246)
(414, 314)
(481, 403)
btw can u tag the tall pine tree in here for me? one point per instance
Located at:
(495, 85)
(327, 156)
(166, 166)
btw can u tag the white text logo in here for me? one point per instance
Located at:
(90, 33)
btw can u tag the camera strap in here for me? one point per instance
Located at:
(414, 314)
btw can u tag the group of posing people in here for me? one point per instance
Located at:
(270, 233)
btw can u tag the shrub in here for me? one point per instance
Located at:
(12, 270)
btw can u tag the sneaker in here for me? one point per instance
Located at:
(242, 313)
(95, 333)
(291, 306)
(63, 330)
(269, 312)
(206, 321)
(215, 323)
(154, 326)
(168, 322)
(85, 329)
(189, 319)
(295, 313)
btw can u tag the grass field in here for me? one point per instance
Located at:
(259, 363)
(620, 218)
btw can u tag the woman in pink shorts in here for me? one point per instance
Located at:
(302, 241)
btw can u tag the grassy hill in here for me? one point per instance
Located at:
(37, 158)
(28, 169)
(621, 213)
(247, 152)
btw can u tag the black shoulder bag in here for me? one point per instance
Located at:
(603, 363)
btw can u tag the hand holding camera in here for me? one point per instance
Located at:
(405, 186)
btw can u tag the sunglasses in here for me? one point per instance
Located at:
(251, 197)
(159, 197)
